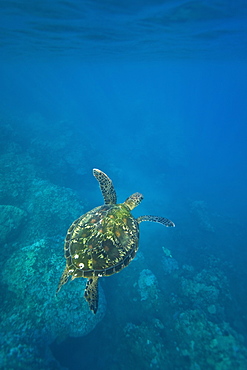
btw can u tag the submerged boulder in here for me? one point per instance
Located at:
(11, 220)
(32, 316)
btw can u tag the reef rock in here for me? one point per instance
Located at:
(145, 343)
(51, 208)
(207, 345)
(147, 285)
(32, 316)
(11, 219)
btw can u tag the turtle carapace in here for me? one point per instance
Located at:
(104, 240)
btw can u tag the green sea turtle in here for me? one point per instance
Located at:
(104, 240)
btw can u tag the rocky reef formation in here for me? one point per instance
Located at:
(47, 207)
(178, 309)
(12, 220)
(32, 316)
(179, 318)
(35, 214)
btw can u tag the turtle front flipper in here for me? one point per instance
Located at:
(91, 293)
(162, 220)
(106, 187)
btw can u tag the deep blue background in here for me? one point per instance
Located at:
(185, 120)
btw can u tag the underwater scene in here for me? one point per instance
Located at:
(114, 113)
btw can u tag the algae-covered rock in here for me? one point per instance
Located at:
(169, 264)
(147, 285)
(144, 342)
(207, 345)
(34, 317)
(207, 290)
(51, 208)
(11, 219)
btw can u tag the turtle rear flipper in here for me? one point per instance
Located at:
(91, 293)
(162, 220)
(63, 280)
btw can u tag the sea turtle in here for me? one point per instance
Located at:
(104, 240)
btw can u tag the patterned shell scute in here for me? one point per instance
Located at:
(102, 241)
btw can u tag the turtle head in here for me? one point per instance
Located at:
(133, 201)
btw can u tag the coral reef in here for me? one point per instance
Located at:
(34, 217)
(183, 326)
(208, 291)
(147, 344)
(53, 207)
(49, 208)
(177, 317)
(11, 220)
(169, 263)
(32, 316)
(207, 345)
(147, 285)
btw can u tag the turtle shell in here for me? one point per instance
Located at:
(101, 242)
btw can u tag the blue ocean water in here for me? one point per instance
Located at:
(153, 93)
